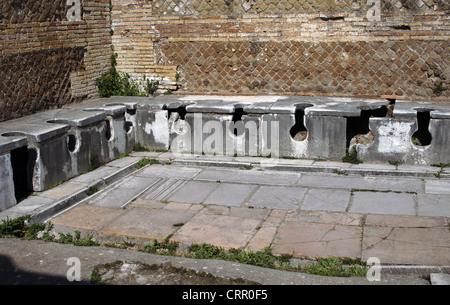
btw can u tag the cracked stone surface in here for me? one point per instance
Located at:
(318, 240)
(407, 245)
(321, 215)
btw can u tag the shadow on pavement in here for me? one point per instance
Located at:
(11, 275)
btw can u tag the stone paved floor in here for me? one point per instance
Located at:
(400, 220)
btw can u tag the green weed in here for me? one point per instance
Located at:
(439, 88)
(335, 267)
(18, 228)
(94, 162)
(96, 278)
(146, 161)
(352, 157)
(263, 258)
(92, 190)
(138, 147)
(165, 247)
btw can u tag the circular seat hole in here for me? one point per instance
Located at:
(128, 126)
(14, 134)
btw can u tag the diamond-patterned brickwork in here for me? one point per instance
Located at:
(404, 68)
(21, 11)
(399, 6)
(233, 7)
(37, 81)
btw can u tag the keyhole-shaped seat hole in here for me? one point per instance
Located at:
(299, 132)
(238, 126)
(422, 137)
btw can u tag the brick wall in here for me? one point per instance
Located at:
(45, 59)
(330, 47)
(134, 35)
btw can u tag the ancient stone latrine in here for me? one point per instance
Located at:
(52, 52)
(39, 151)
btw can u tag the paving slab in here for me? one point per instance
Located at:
(63, 190)
(194, 192)
(440, 279)
(95, 175)
(169, 172)
(334, 164)
(277, 197)
(87, 217)
(228, 194)
(383, 203)
(249, 176)
(297, 162)
(249, 212)
(307, 214)
(318, 240)
(347, 219)
(275, 218)
(146, 203)
(418, 168)
(437, 187)
(135, 182)
(413, 246)
(145, 154)
(215, 210)
(27, 207)
(146, 224)
(433, 205)
(176, 206)
(372, 166)
(120, 194)
(397, 221)
(162, 189)
(122, 162)
(262, 239)
(226, 231)
(115, 198)
(326, 200)
(362, 183)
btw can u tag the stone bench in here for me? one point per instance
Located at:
(306, 127)
(38, 151)
(7, 189)
(322, 120)
(418, 133)
(61, 144)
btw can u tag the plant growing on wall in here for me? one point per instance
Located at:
(116, 83)
(439, 88)
(151, 85)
